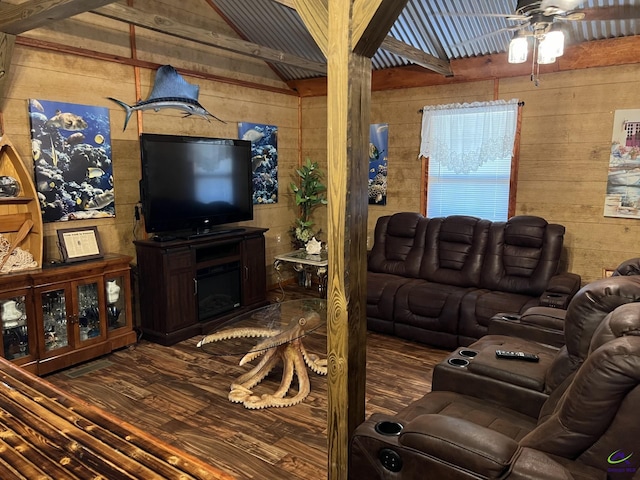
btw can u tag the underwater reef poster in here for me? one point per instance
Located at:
(71, 148)
(378, 147)
(264, 159)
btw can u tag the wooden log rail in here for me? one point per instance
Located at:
(47, 433)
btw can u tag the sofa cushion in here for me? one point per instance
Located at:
(514, 372)
(512, 424)
(398, 245)
(479, 306)
(381, 292)
(454, 250)
(522, 255)
(428, 312)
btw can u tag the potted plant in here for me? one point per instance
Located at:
(309, 194)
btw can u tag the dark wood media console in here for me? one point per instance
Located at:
(189, 287)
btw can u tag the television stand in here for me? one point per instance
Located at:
(212, 232)
(191, 286)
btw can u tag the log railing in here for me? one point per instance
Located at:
(47, 433)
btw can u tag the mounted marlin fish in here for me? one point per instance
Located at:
(170, 90)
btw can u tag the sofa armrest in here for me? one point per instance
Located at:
(458, 442)
(560, 290)
(538, 324)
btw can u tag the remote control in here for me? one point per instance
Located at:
(527, 357)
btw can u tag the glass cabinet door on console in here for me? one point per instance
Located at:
(18, 337)
(54, 336)
(116, 291)
(72, 316)
(90, 318)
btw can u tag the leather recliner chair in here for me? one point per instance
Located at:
(589, 428)
(545, 324)
(525, 386)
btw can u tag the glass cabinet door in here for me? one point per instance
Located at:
(54, 318)
(15, 335)
(116, 309)
(89, 324)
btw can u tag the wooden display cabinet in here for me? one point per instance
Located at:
(62, 315)
(189, 287)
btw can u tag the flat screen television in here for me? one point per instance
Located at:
(190, 185)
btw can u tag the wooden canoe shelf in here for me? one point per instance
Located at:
(15, 200)
(14, 211)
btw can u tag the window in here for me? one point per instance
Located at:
(469, 148)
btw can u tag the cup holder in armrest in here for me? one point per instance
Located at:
(388, 428)
(458, 362)
(467, 353)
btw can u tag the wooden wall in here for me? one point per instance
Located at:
(49, 74)
(566, 134)
(566, 128)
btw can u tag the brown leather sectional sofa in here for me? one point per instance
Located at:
(440, 281)
(585, 425)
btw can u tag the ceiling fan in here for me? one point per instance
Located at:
(538, 17)
(539, 23)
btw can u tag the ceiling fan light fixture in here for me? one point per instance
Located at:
(518, 48)
(544, 58)
(553, 42)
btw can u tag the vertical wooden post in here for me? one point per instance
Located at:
(348, 98)
(348, 32)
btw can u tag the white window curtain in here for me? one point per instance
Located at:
(469, 147)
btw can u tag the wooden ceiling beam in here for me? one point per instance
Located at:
(417, 56)
(315, 20)
(597, 53)
(169, 27)
(17, 19)
(372, 20)
(315, 16)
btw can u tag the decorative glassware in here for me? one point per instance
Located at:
(14, 328)
(9, 186)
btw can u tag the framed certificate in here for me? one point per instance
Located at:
(79, 244)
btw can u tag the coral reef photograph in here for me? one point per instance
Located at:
(71, 148)
(264, 153)
(378, 145)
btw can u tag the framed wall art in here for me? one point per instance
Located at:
(378, 147)
(623, 178)
(71, 148)
(264, 153)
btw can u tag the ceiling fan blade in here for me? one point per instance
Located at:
(509, 16)
(560, 5)
(488, 35)
(621, 12)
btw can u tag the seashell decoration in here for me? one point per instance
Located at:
(314, 247)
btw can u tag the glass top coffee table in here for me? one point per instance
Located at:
(275, 333)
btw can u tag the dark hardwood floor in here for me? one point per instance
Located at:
(179, 394)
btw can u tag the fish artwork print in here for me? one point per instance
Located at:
(170, 90)
(71, 152)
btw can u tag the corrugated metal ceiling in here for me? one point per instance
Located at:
(447, 29)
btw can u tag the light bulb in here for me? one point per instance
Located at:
(553, 43)
(518, 49)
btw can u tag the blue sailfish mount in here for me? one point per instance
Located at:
(170, 90)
